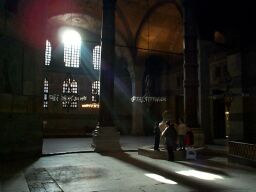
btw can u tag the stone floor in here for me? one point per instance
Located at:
(87, 171)
(70, 145)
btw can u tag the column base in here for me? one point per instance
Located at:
(198, 137)
(106, 139)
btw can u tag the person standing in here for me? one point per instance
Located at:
(162, 126)
(157, 137)
(166, 115)
(170, 135)
(189, 138)
(182, 130)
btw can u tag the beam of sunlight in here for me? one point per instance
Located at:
(200, 174)
(160, 178)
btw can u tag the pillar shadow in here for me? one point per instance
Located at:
(227, 165)
(10, 168)
(193, 183)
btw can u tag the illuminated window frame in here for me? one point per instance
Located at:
(70, 86)
(96, 57)
(72, 55)
(46, 93)
(95, 91)
(48, 52)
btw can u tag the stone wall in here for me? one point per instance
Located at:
(21, 124)
(21, 127)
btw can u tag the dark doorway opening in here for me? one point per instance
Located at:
(219, 126)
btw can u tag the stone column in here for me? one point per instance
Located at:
(105, 136)
(204, 92)
(191, 82)
(57, 55)
(137, 109)
(190, 66)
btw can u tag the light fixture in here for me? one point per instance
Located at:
(91, 105)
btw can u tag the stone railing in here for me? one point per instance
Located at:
(243, 153)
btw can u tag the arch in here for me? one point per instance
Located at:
(127, 39)
(59, 7)
(125, 24)
(154, 67)
(127, 55)
(151, 11)
(72, 48)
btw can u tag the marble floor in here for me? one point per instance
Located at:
(87, 171)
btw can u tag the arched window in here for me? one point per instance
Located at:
(71, 89)
(72, 47)
(96, 57)
(48, 52)
(72, 55)
(95, 91)
(46, 93)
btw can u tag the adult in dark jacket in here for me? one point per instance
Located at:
(157, 137)
(170, 135)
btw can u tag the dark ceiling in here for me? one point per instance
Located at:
(235, 19)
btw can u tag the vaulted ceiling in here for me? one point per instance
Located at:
(154, 24)
(147, 24)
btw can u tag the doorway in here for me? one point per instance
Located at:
(219, 126)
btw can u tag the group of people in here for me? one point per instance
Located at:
(176, 136)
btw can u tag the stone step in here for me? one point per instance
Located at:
(161, 154)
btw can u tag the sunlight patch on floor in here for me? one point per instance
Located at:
(160, 178)
(200, 174)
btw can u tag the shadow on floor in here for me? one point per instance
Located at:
(12, 167)
(226, 165)
(192, 183)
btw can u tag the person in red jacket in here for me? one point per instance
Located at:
(189, 138)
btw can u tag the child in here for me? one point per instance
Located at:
(189, 138)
